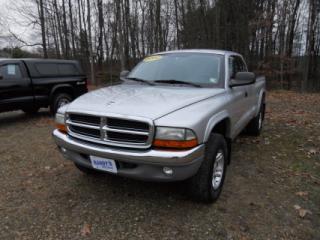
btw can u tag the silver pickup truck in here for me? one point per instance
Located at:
(173, 118)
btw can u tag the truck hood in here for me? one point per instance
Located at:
(137, 100)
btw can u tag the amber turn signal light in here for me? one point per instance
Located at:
(61, 128)
(186, 144)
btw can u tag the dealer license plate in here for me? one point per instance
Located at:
(104, 164)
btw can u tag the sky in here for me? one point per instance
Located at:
(15, 23)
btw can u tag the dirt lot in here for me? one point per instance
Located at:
(272, 190)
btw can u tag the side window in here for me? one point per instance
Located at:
(67, 69)
(241, 67)
(56, 69)
(236, 64)
(10, 71)
(232, 67)
(47, 68)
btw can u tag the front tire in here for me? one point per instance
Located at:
(207, 184)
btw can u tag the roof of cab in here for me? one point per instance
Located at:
(38, 60)
(213, 51)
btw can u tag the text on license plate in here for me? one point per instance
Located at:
(104, 164)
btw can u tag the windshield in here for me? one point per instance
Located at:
(197, 68)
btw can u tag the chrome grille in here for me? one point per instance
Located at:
(111, 130)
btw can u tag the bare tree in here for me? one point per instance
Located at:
(43, 28)
(274, 35)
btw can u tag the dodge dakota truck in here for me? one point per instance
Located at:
(173, 118)
(29, 84)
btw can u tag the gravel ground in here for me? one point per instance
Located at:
(272, 189)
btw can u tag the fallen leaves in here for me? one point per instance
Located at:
(302, 194)
(47, 168)
(312, 151)
(301, 114)
(44, 122)
(305, 175)
(86, 230)
(266, 141)
(301, 211)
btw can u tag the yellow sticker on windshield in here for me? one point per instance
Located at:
(152, 58)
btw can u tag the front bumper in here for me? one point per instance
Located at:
(139, 164)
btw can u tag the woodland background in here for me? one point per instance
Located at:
(279, 38)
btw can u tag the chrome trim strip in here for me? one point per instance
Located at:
(82, 125)
(104, 128)
(118, 130)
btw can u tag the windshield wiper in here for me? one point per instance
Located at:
(172, 81)
(140, 80)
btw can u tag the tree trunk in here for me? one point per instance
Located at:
(55, 5)
(43, 29)
(65, 30)
(72, 30)
(101, 26)
(90, 43)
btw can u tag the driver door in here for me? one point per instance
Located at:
(239, 94)
(15, 86)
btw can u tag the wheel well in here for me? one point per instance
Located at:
(263, 98)
(263, 102)
(67, 90)
(223, 128)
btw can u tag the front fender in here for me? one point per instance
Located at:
(213, 121)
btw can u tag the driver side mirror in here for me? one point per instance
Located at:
(124, 73)
(243, 78)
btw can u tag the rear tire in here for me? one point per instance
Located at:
(60, 100)
(254, 127)
(207, 184)
(86, 170)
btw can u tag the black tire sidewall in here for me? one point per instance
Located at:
(56, 99)
(200, 185)
(260, 114)
(253, 127)
(219, 145)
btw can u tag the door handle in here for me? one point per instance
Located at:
(246, 94)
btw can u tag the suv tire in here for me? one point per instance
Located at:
(207, 184)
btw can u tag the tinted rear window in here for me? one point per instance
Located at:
(47, 68)
(56, 69)
(67, 69)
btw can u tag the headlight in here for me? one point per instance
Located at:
(59, 118)
(179, 138)
(60, 122)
